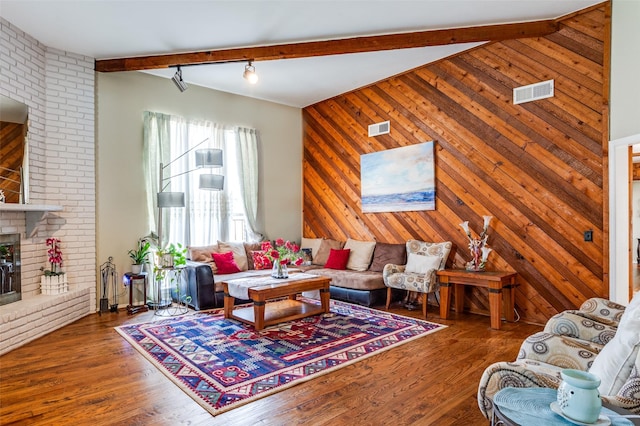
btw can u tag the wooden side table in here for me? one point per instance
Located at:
(134, 279)
(501, 287)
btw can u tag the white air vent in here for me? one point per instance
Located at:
(379, 128)
(533, 92)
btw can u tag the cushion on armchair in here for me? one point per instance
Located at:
(613, 365)
(603, 308)
(561, 351)
(584, 342)
(419, 264)
(421, 256)
(581, 325)
(431, 249)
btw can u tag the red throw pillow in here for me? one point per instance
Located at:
(338, 259)
(260, 261)
(225, 263)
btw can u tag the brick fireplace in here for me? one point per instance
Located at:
(58, 89)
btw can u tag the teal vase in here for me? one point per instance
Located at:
(578, 396)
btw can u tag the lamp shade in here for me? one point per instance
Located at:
(170, 199)
(211, 182)
(208, 158)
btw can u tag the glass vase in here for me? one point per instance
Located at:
(279, 270)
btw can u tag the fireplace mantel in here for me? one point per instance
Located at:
(34, 213)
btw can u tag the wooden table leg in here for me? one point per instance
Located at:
(258, 313)
(495, 303)
(509, 301)
(458, 294)
(229, 301)
(445, 297)
(324, 299)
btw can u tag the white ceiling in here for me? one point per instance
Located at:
(105, 29)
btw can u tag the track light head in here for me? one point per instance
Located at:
(250, 73)
(177, 79)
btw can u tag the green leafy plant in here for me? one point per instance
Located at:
(140, 255)
(179, 255)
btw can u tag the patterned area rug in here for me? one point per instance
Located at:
(223, 363)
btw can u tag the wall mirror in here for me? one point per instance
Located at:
(14, 161)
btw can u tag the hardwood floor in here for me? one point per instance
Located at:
(85, 373)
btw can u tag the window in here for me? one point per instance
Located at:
(209, 215)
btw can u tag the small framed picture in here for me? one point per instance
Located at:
(306, 256)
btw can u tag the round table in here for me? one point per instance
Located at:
(532, 407)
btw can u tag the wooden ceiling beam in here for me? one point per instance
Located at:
(333, 47)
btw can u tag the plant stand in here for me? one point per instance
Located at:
(54, 284)
(166, 307)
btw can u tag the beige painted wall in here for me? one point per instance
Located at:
(121, 99)
(624, 131)
(625, 63)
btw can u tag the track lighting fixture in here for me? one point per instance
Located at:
(250, 73)
(177, 79)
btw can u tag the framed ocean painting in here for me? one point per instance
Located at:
(398, 179)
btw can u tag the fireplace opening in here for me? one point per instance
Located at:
(9, 268)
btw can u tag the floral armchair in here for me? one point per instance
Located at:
(419, 274)
(601, 337)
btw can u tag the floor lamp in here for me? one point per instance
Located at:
(205, 158)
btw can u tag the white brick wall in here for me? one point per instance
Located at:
(58, 88)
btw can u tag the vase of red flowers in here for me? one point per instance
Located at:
(282, 254)
(54, 280)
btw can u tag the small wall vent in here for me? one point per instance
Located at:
(533, 92)
(379, 128)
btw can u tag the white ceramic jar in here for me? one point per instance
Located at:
(578, 396)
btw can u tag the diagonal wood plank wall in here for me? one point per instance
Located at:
(538, 167)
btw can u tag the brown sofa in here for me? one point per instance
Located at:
(361, 282)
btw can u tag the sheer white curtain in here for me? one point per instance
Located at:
(208, 215)
(247, 165)
(207, 211)
(156, 143)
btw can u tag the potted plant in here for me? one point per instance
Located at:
(139, 256)
(172, 256)
(171, 260)
(54, 280)
(4, 253)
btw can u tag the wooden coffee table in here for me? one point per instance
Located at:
(262, 289)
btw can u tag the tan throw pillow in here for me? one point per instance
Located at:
(361, 253)
(311, 243)
(202, 253)
(239, 253)
(325, 249)
(421, 264)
